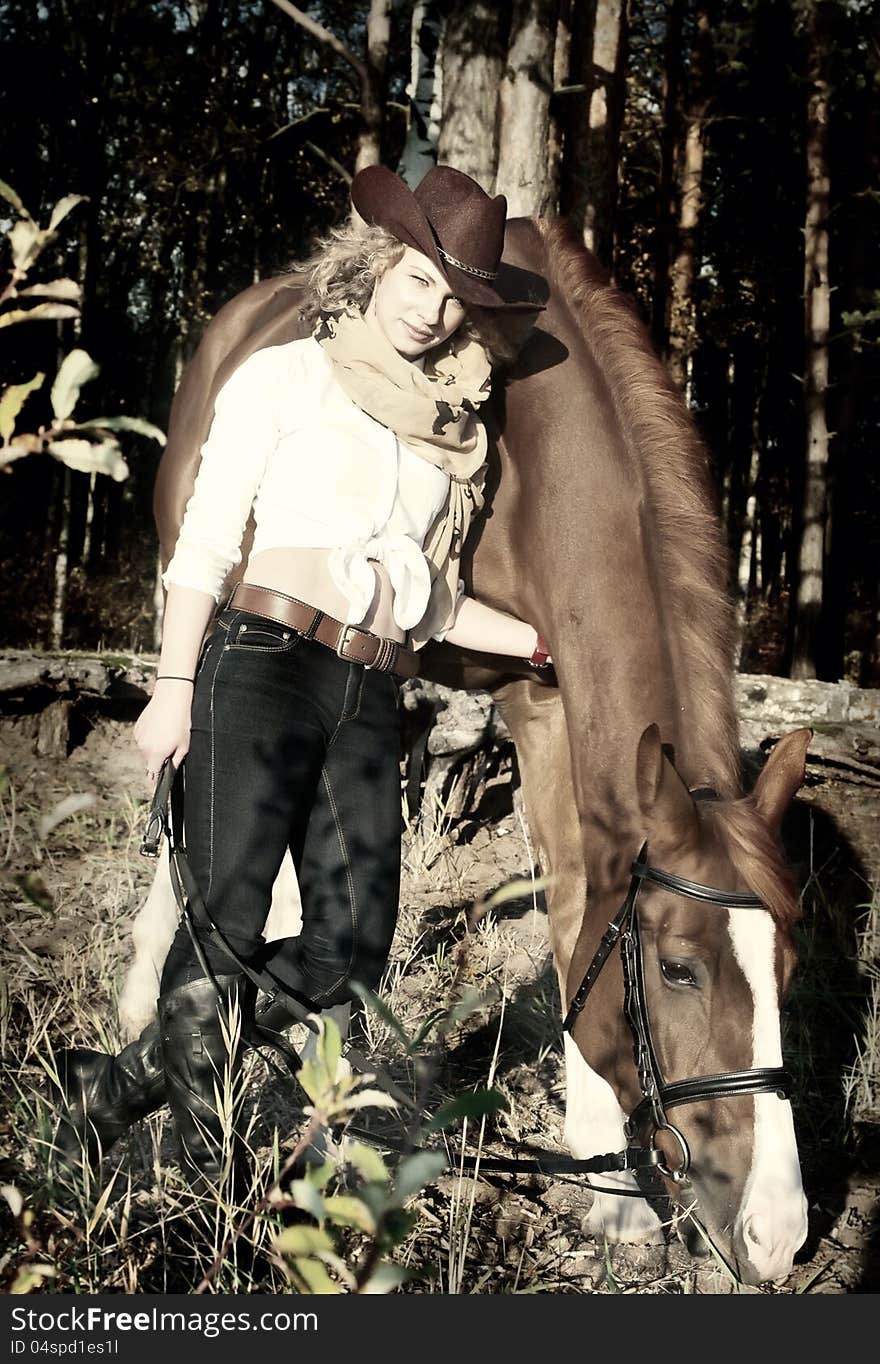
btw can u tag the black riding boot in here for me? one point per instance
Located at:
(199, 1068)
(104, 1095)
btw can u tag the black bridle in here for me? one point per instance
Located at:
(649, 1118)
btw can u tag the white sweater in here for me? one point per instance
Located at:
(318, 473)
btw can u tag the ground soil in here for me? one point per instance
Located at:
(524, 1232)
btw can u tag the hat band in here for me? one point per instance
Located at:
(468, 269)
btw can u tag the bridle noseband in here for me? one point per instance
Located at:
(658, 1095)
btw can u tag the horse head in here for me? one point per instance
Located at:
(710, 942)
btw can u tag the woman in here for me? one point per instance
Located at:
(361, 454)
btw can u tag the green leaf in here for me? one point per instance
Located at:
(55, 288)
(385, 1278)
(397, 1225)
(346, 1211)
(315, 1277)
(47, 312)
(430, 1022)
(309, 1077)
(88, 457)
(475, 1105)
(368, 1163)
(9, 194)
(319, 1176)
(63, 207)
(13, 1198)
(26, 241)
(421, 1168)
(516, 890)
(303, 1241)
(77, 368)
(370, 1098)
(306, 1196)
(376, 1198)
(13, 400)
(30, 1277)
(18, 449)
(330, 1047)
(139, 425)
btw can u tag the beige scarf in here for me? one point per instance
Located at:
(434, 412)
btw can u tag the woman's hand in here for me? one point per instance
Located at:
(162, 730)
(480, 627)
(163, 727)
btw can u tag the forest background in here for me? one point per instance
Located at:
(719, 158)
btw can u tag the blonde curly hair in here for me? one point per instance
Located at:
(342, 272)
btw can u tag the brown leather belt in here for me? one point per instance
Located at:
(348, 641)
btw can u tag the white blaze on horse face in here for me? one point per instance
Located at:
(593, 1125)
(772, 1219)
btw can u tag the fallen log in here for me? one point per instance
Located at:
(845, 718)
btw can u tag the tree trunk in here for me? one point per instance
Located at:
(524, 132)
(749, 552)
(666, 181)
(817, 312)
(591, 119)
(425, 92)
(369, 151)
(682, 317)
(59, 595)
(474, 44)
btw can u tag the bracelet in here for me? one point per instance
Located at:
(169, 677)
(540, 655)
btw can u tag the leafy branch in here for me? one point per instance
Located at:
(86, 446)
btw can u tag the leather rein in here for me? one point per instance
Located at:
(648, 1118)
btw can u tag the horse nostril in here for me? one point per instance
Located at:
(754, 1231)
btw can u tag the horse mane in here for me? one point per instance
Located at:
(692, 559)
(756, 856)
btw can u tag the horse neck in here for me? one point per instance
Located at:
(602, 533)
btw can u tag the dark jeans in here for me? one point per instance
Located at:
(292, 746)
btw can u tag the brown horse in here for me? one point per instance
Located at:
(600, 526)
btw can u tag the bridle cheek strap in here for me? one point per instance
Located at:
(649, 1116)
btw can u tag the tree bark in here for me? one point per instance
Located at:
(373, 84)
(665, 215)
(524, 132)
(62, 568)
(474, 44)
(682, 313)
(591, 117)
(817, 314)
(425, 92)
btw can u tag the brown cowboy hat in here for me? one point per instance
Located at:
(450, 219)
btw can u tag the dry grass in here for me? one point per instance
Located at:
(139, 1229)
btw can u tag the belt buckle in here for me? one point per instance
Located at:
(342, 644)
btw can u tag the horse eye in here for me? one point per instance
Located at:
(678, 973)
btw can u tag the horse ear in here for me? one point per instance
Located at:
(663, 796)
(781, 776)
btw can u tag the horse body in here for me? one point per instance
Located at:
(599, 527)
